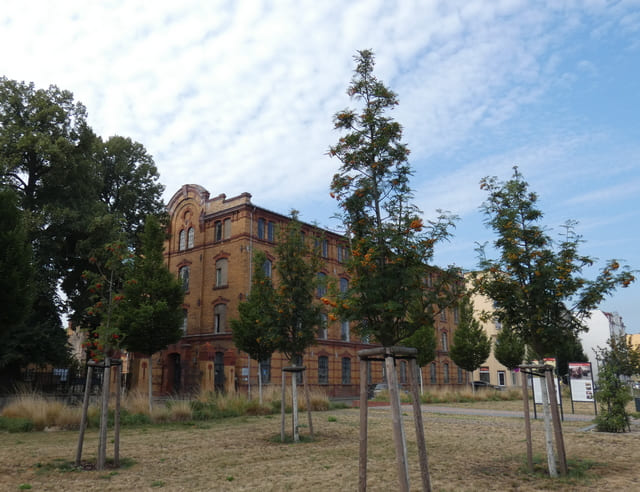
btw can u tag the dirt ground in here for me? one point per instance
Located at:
(466, 453)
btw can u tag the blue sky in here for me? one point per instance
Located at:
(239, 95)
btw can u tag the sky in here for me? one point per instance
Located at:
(239, 96)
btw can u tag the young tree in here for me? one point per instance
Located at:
(150, 314)
(619, 359)
(509, 348)
(256, 330)
(537, 285)
(391, 244)
(471, 346)
(297, 267)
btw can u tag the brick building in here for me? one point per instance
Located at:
(210, 247)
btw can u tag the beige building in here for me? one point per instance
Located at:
(492, 371)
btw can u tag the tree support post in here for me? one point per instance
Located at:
(104, 416)
(388, 355)
(85, 408)
(555, 417)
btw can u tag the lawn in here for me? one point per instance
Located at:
(243, 453)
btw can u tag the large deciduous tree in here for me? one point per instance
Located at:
(391, 244)
(256, 329)
(537, 284)
(471, 346)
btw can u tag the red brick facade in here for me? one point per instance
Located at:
(211, 247)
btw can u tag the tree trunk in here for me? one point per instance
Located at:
(259, 381)
(548, 431)
(294, 406)
(150, 385)
(398, 427)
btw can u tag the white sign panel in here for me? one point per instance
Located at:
(581, 380)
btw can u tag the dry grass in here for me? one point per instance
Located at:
(466, 453)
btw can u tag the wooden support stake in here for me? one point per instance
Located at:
(283, 405)
(362, 469)
(116, 417)
(104, 418)
(83, 417)
(398, 429)
(417, 417)
(308, 399)
(527, 422)
(555, 417)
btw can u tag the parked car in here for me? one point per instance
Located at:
(482, 385)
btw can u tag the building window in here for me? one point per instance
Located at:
(497, 325)
(322, 284)
(346, 370)
(182, 240)
(261, 231)
(514, 378)
(267, 268)
(456, 314)
(218, 231)
(432, 373)
(445, 341)
(227, 228)
(183, 274)
(325, 248)
(190, 237)
(265, 370)
(271, 231)
(443, 314)
(344, 331)
(403, 372)
(184, 321)
(222, 267)
(445, 370)
(297, 361)
(322, 329)
(430, 280)
(502, 378)
(460, 376)
(323, 369)
(484, 375)
(219, 318)
(344, 285)
(343, 253)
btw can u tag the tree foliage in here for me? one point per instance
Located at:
(297, 267)
(16, 268)
(619, 359)
(537, 285)
(150, 313)
(256, 329)
(471, 346)
(76, 193)
(391, 244)
(509, 348)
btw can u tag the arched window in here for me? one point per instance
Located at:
(184, 321)
(403, 372)
(445, 341)
(322, 329)
(183, 273)
(322, 284)
(219, 318)
(182, 240)
(267, 268)
(344, 331)
(190, 237)
(323, 369)
(344, 285)
(432, 373)
(222, 267)
(445, 372)
(346, 370)
(261, 231)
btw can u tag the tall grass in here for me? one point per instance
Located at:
(39, 412)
